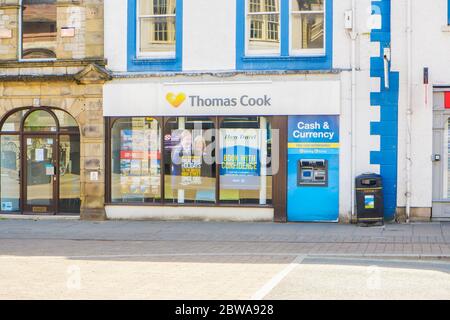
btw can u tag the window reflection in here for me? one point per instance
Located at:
(69, 174)
(40, 121)
(12, 123)
(190, 169)
(38, 29)
(9, 170)
(263, 22)
(245, 147)
(157, 26)
(308, 25)
(136, 160)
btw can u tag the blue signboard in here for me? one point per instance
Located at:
(313, 168)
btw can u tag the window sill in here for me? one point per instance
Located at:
(283, 58)
(170, 204)
(37, 60)
(153, 60)
(284, 63)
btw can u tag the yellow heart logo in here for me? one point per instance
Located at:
(175, 100)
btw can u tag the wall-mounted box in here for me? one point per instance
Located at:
(67, 32)
(5, 34)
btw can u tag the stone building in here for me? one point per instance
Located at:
(51, 77)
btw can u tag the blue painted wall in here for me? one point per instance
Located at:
(448, 11)
(387, 100)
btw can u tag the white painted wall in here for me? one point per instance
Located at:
(431, 48)
(189, 213)
(115, 33)
(209, 35)
(209, 45)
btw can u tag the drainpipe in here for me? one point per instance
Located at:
(408, 109)
(353, 35)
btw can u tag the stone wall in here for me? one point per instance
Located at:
(9, 15)
(73, 82)
(85, 16)
(84, 103)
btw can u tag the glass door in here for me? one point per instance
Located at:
(40, 174)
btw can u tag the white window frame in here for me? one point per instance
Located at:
(154, 55)
(308, 52)
(20, 39)
(253, 53)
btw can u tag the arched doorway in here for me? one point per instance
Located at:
(40, 162)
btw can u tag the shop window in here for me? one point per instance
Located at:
(10, 173)
(12, 123)
(40, 120)
(190, 170)
(38, 29)
(136, 160)
(307, 26)
(67, 123)
(157, 26)
(245, 144)
(263, 27)
(69, 174)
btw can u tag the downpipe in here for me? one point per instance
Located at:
(409, 110)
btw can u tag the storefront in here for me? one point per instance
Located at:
(46, 179)
(52, 143)
(196, 150)
(441, 155)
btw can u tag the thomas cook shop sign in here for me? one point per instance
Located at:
(140, 98)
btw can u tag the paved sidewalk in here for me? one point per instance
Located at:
(419, 240)
(71, 259)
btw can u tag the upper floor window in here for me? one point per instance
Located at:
(284, 34)
(304, 34)
(156, 28)
(38, 29)
(307, 26)
(263, 24)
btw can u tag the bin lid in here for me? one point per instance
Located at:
(369, 180)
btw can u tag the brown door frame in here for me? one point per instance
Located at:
(23, 160)
(53, 209)
(22, 134)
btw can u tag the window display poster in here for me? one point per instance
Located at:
(187, 151)
(240, 158)
(39, 154)
(139, 162)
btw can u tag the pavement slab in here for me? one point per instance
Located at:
(70, 259)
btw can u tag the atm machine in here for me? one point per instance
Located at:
(313, 172)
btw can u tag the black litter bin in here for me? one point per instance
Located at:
(369, 199)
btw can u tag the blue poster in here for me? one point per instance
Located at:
(313, 168)
(240, 159)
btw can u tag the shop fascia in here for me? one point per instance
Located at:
(233, 98)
